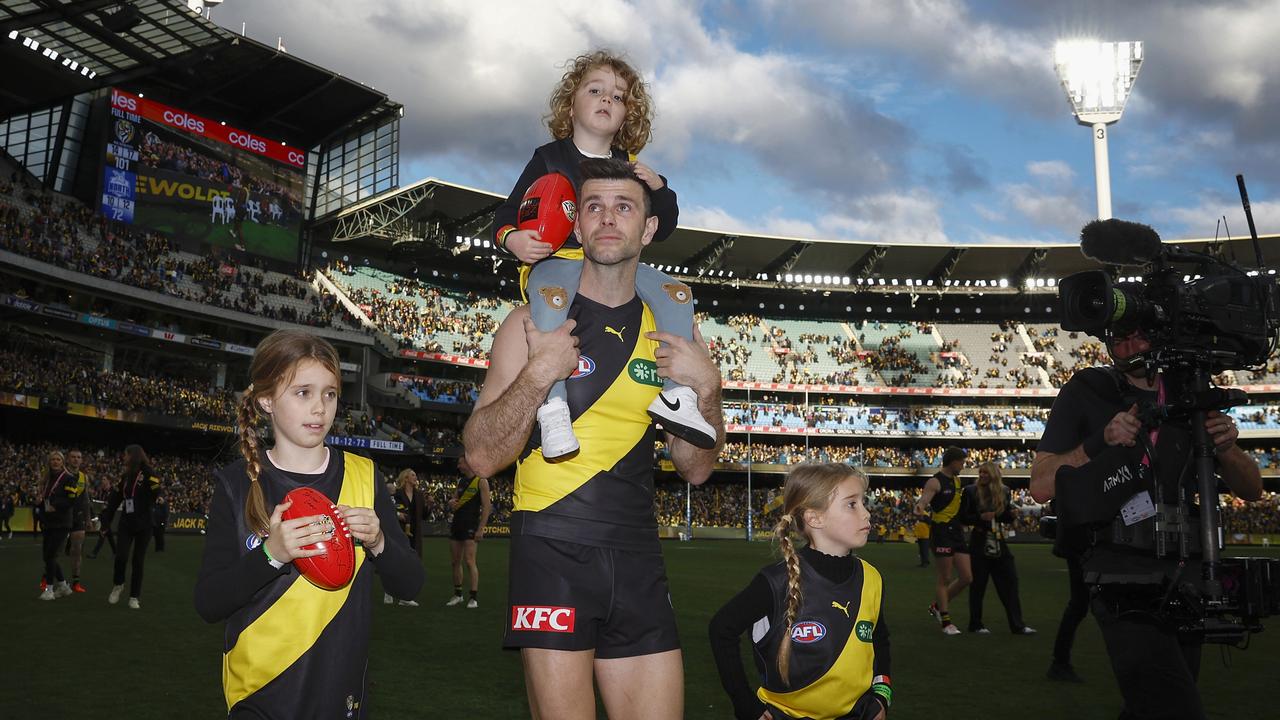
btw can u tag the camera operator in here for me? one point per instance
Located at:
(1155, 664)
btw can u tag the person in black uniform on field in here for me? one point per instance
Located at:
(79, 518)
(408, 503)
(471, 506)
(816, 618)
(987, 505)
(160, 521)
(6, 513)
(134, 498)
(588, 596)
(1155, 665)
(57, 489)
(940, 501)
(1073, 614)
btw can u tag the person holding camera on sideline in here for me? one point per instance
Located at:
(1093, 439)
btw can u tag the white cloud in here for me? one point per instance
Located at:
(883, 218)
(1200, 220)
(1051, 171)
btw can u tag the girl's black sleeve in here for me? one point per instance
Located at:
(727, 627)
(228, 580)
(505, 215)
(398, 565)
(666, 209)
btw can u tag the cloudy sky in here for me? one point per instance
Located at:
(884, 120)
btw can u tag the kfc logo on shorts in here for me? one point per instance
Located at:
(808, 632)
(537, 618)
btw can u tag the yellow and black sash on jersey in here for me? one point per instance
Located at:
(468, 510)
(604, 494)
(468, 492)
(832, 655)
(946, 502)
(79, 487)
(287, 629)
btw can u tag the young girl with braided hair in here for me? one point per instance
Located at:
(292, 649)
(816, 618)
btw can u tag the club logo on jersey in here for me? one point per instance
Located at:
(541, 618)
(644, 372)
(864, 630)
(252, 541)
(808, 632)
(586, 366)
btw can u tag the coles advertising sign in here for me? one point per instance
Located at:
(204, 127)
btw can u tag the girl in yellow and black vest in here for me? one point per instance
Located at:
(292, 649)
(816, 618)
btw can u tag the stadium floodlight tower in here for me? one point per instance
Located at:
(1098, 77)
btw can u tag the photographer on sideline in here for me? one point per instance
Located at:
(1155, 665)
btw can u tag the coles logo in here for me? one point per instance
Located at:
(124, 102)
(586, 366)
(538, 618)
(808, 632)
(184, 121)
(246, 140)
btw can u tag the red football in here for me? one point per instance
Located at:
(549, 206)
(333, 568)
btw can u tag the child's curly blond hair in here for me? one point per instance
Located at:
(636, 130)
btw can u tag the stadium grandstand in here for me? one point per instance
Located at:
(171, 192)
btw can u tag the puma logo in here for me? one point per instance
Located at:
(611, 331)
(842, 608)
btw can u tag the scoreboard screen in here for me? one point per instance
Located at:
(201, 181)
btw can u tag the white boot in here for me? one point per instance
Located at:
(558, 439)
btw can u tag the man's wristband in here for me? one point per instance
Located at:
(274, 562)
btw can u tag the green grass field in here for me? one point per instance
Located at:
(79, 657)
(194, 224)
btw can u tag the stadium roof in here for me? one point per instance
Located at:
(435, 213)
(162, 49)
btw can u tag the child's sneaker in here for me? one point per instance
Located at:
(950, 629)
(47, 593)
(77, 587)
(677, 410)
(114, 596)
(455, 600)
(472, 604)
(558, 439)
(134, 604)
(62, 589)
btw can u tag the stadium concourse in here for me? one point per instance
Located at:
(157, 223)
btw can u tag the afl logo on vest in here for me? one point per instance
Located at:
(586, 366)
(808, 632)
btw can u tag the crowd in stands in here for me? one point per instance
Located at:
(71, 236)
(847, 416)
(61, 377)
(161, 154)
(187, 483)
(438, 390)
(870, 456)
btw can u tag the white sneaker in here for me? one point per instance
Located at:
(62, 589)
(677, 410)
(981, 631)
(114, 597)
(387, 599)
(1026, 631)
(134, 604)
(407, 603)
(48, 594)
(472, 604)
(455, 600)
(558, 439)
(950, 629)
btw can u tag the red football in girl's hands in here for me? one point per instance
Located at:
(549, 206)
(333, 568)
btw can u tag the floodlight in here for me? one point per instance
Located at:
(1098, 77)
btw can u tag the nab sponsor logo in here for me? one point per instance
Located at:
(808, 632)
(537, 618)
(252, 541)
(586, 366)
(184, 121)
